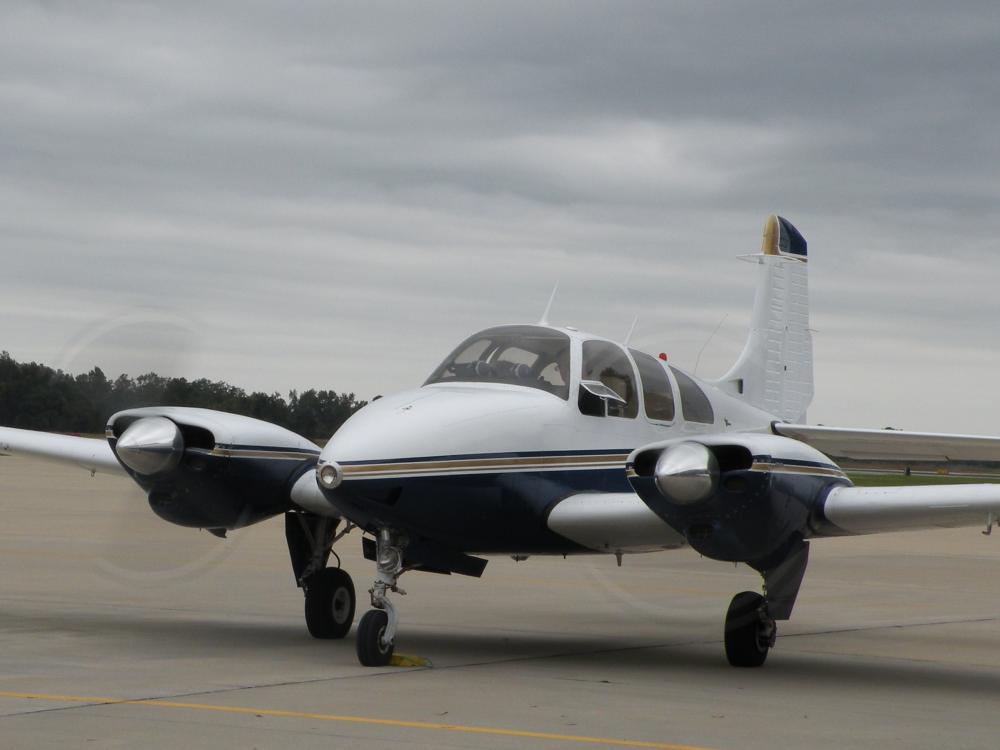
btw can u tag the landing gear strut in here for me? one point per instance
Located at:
(377, 630)
(750, 622)
(329, 592)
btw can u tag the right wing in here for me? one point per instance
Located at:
(92, 454)
(270, 465)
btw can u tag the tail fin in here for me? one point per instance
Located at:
(775, 372)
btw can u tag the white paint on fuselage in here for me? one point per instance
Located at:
(488, 418)
(470, 419)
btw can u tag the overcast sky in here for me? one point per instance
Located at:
(334, 194)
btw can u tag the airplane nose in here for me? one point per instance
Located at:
(150, 445)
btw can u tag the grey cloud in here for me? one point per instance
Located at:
(337, 193)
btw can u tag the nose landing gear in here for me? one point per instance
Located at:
(376, 632)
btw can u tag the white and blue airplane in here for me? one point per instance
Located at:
(545, 440)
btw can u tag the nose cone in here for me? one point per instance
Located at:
(150, 445)
(440, 421)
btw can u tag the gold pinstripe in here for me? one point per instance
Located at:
(256, 453)
(817, 471)
(545, 463)
(608, 460)
(760, 467)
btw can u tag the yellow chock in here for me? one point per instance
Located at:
(402, 660)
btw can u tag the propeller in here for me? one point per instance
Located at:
(137, 341)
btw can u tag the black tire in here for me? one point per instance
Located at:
(329, 603)
(744, 647)
(371, 652)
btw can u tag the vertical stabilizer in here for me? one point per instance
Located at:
(774, 372)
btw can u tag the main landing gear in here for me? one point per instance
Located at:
(329, 592)
(751, 629)
(377, 630)
(330, 603)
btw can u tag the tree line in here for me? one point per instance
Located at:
(36, 397)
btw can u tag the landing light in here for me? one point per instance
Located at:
(330, 475)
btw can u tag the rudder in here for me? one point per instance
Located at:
(774, 372)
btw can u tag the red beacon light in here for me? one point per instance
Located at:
(663, 356)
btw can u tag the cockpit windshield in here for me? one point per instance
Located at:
(518, 355)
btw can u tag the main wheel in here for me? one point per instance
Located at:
(748, 636)
(329, 603)
(371, 651)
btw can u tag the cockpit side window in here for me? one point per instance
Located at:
(517, 355)
(656, 391)
(605, 362)
(694, 402)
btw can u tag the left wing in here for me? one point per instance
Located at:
(871, 510)
(899, 451)
(613, 522)
(751, 498)
(92, 454)
(867, 510)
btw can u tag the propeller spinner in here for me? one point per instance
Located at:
(151, 445)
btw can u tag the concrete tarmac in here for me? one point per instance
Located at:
(120, 630)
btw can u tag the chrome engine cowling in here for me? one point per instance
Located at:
(735, 497)
(209, 469)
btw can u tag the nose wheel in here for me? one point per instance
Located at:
(373, 649)
(376, 635)
(750, 631)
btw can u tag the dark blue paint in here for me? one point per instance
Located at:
(492, 512)
(222, 492)
(754, 517)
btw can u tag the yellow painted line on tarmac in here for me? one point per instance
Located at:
(397, 723)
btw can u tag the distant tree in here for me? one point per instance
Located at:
(320, 413)
(34, 396)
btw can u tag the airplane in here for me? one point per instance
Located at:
(535, 439)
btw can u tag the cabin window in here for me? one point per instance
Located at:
(607, 364)
(694, 403)
(531, 356)
(657, 395)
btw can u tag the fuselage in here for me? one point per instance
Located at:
(516, 420)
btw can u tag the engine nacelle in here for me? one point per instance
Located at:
(735, 497)
(209, 469)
